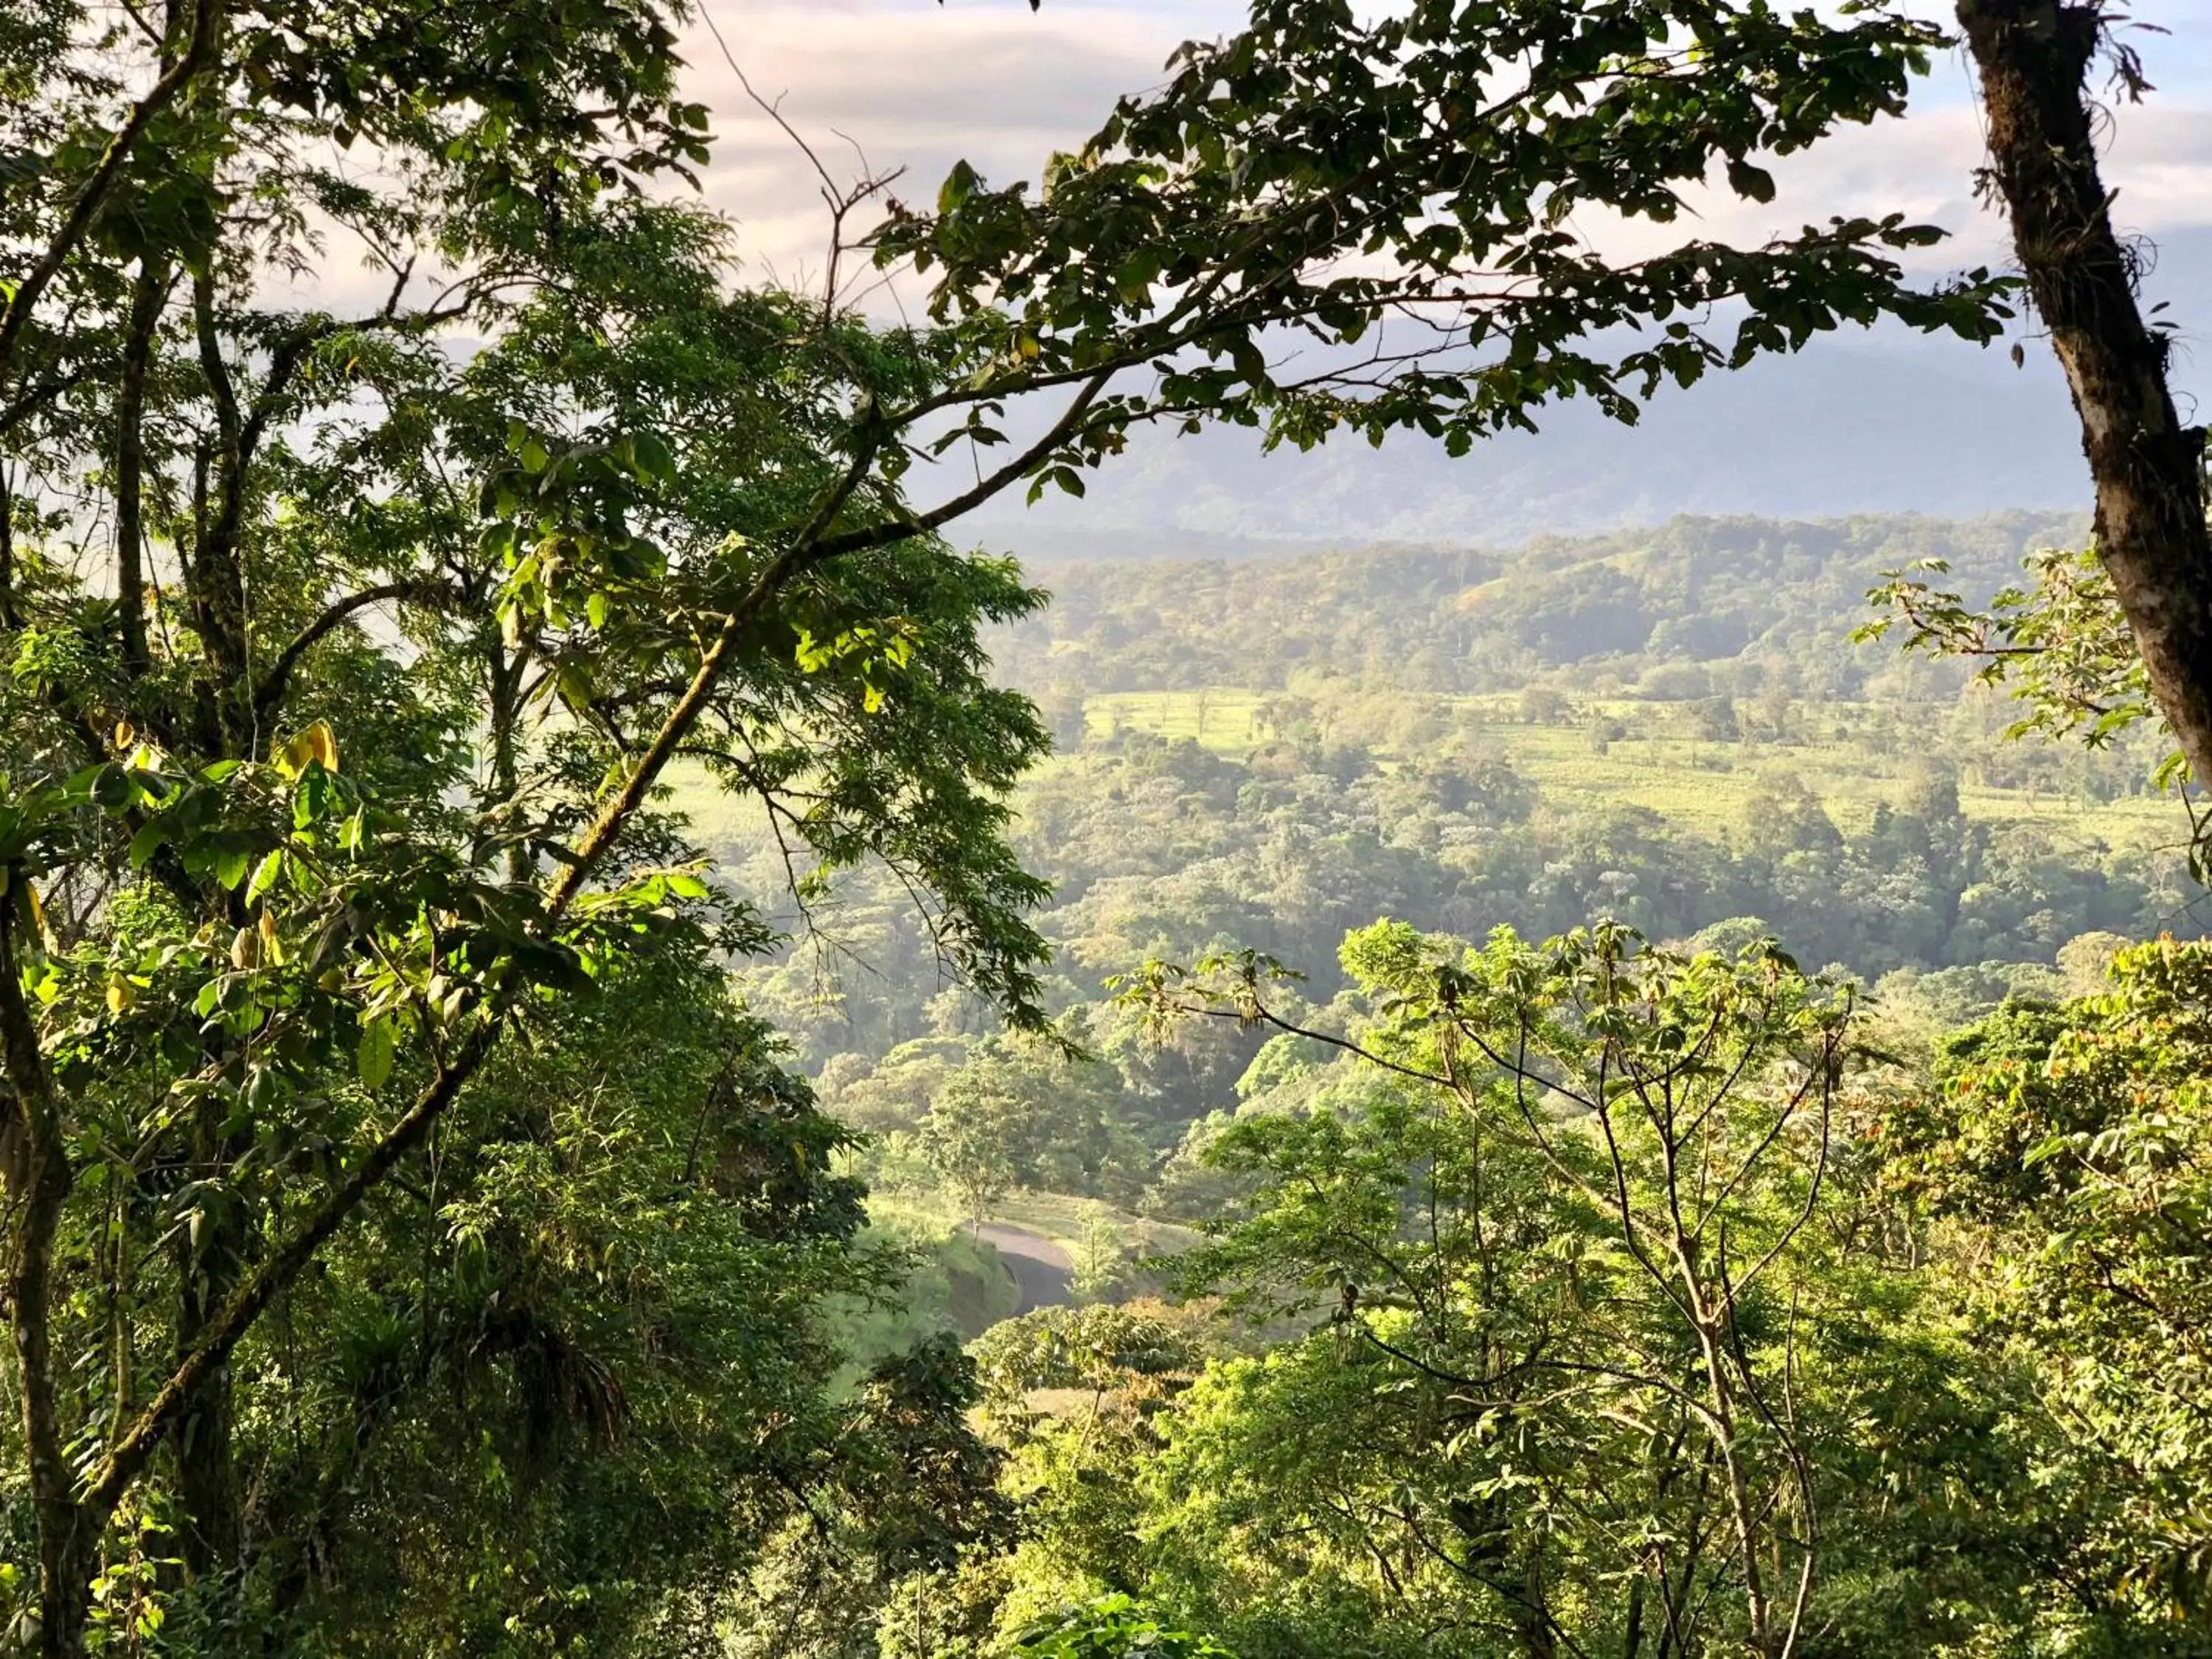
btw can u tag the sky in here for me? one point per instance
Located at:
(916, 84)
(875, 85)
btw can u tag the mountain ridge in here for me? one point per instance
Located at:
(1458, 617)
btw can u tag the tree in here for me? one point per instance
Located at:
(2075, 1138)
(276, 891)
(462, 1398)
(1101, 1256)
(1717, 720)
(349, 659)
(1651, 1136)
(1542, 705)
(910, 1496)
(2035, 58)
(1112, 1627)
(977, 1136)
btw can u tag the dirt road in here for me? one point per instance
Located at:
(1041, 1267)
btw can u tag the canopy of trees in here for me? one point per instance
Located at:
(420, 1236)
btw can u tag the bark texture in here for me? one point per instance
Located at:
(2035, 58)
(39, 1180)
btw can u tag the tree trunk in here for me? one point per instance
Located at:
(1534, 1624)
(1746, 1515)
(146, 297)
(2034, 57)
(207, 1487)
(39, 1180)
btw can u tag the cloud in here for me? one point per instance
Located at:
(1890, 420)
(919, 85)
(908, 85)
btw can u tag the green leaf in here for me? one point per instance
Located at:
(312, 797)
(652, 456)
(147, 841)
(379, 1047)
(1745, 180)
(264, 876)
(575, 684)
(111, 788)
(959, 185)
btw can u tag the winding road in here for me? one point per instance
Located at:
(1042, 1270)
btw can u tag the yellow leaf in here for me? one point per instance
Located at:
(120, 996)
(245, 948)
(322, 745)
(272, 947)
(317, 743)
(46, 939)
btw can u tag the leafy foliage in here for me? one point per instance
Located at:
(1236, 200)
(1505, 1347)
(2060, 645)
(1112, 1627)
(396, 1195)
(2075, 1135)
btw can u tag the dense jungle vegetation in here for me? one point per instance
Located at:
(1384, 739)
(611, 1044)
(1263, 1387)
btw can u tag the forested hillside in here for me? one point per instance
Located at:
(1344, 760)
(1378, 732)
(1775, 599)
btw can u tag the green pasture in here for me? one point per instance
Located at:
(1853, 755)
(1225, 720)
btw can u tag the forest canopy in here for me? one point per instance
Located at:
(463, 737)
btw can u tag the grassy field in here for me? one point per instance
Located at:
(1695, 784)
(1227, 720)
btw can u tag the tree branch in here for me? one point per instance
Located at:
(127, 1455)
(899, 530)
(207, 26)
(273, 685)
(39, 1182)
(30, 403)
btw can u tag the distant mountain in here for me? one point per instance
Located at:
(1853, 426)
(1887, 421)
